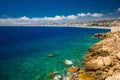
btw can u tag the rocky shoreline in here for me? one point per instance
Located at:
(102, 61)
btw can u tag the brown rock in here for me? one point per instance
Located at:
(99, 35)
(114, 77)
(118, 55)
(73, 69)
(107, 61)
(117, 67)
(81, 71)
(94, 64)
(85, 76)
(70, 77)
(110, 72)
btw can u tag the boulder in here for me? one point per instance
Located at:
(100, 35)
(85, 76)
(117, 67)
(107, 61)
(94, 64)
(113, 77)
(73, 69)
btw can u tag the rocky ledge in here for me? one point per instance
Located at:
(102, 61)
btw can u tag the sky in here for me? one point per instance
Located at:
(16, 12)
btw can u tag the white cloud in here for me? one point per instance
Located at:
(53, 18)
(94, 15)
(90, 15)
(35, 21)
(71, 17)
(118, 9)
(97, 15)
(81, 14)
(24, 18)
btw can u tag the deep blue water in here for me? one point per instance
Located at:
(24, 50)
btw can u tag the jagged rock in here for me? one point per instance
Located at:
(85, 76)
(94, 64)
(113, 77)
(100, 35)
(87, 57)
(118, 55)
(81, 71)
(107, 61)
(117, 67)
(73, 69)
(103, 60)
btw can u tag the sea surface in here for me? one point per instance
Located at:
(34, 53)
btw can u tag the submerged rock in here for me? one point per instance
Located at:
(38, 77)
(57, 77)
(51, 75)
(50, 55)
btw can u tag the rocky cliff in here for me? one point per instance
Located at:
(103, 59)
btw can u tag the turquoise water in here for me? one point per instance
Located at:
(32, 53)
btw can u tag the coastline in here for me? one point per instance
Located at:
(76, 26)
(102, 62)
(62, 26)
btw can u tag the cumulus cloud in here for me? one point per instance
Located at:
(53, 18)
(71, 17)
(36, 21)
(24, 18)
(81, 14)
(118, 9)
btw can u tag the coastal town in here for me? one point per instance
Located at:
(95, 23)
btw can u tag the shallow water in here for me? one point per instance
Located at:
(32, 53)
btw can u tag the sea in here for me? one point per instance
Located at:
(35, 53)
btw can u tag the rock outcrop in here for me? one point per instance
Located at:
(103, 58)
(102, 61)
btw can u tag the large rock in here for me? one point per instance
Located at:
(113, 77)
(85, 76)
(94, 64)
(100, 35)
(117, 67)
(107, 61)
(73, 69)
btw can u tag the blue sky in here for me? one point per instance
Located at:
(59, 9)
(42, 8)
